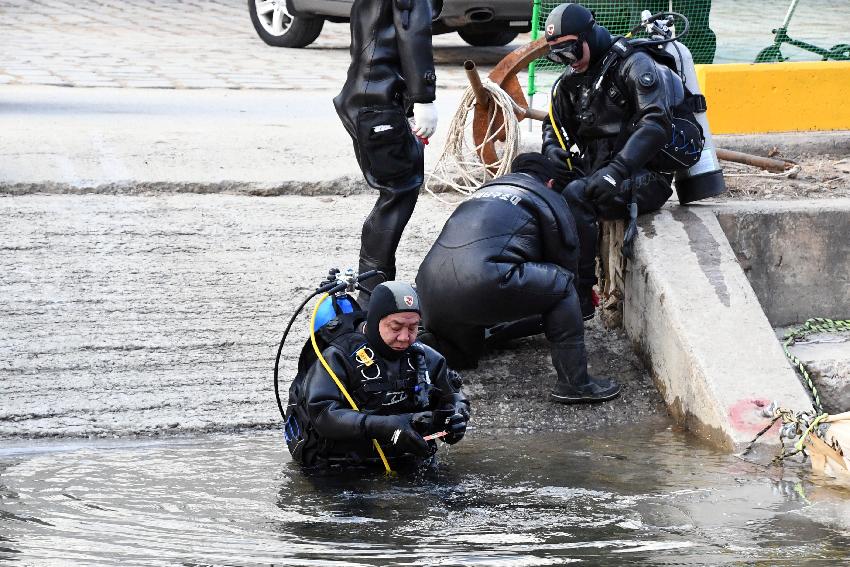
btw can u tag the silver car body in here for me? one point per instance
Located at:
(456, 13)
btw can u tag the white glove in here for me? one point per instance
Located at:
(425, 119)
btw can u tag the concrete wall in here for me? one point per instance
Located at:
(776, 97)
(795, 255)
(692, 313)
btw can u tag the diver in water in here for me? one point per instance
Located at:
(509, 253)
(390, 78)
(631, 120)
(402, 388)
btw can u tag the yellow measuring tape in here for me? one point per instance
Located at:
(337, 380)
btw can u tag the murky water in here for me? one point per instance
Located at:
(620, 497)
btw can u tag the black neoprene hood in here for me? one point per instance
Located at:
(568, 19)
(388, 298)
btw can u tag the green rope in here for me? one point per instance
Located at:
(814, 325)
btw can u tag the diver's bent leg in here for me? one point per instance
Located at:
(565, 330)
(461, 345)
(651, 190)
(588, 240)
(382, 231)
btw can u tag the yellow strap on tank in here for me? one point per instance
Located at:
(555, 124)
(337, 380)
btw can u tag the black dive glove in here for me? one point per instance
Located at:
(399, 430)
(452, 417)
(605, 183)
(558, 156)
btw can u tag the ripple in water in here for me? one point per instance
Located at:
(619, 497)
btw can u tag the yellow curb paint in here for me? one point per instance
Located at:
(776, 97)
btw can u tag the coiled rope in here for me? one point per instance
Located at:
(459, 166)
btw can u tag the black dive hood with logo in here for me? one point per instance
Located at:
(388, 298)
(575, 19)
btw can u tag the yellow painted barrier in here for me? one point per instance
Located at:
(776, 97)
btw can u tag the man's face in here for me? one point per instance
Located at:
(582, 64)
(399, 330)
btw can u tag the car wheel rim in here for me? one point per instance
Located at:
(273, 16)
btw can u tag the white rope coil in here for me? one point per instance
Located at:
(459, 166)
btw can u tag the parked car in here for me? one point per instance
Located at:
(297, 23)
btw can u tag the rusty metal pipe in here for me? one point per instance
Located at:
(482, 97)
(769, 164)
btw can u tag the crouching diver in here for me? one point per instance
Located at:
(508, 253)
(375, 396)
(622, 124)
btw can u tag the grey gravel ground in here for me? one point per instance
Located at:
(140, 315)
(171, 44)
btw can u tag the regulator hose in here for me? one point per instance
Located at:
(656, 17)
(337, 381)
(280, 349)
(329, 288)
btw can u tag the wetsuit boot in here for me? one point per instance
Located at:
(575, 385)
(380, 236)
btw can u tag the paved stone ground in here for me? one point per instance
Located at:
(138, 315)
(181, 44)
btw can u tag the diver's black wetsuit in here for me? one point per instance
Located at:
(392, 67)
(508, 252)
(335, 434)
(629, 119)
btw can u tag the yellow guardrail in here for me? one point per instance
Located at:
(776, 97)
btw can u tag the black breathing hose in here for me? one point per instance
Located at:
(280, 349)
(329, 288)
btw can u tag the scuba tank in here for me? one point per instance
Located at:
(339, 305)
(705, 178)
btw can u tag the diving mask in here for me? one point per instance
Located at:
(567, 52)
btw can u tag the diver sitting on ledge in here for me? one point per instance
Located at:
(403, 389)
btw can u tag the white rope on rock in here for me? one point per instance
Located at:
(459, 166)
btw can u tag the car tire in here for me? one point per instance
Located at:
(277, 27)
(485, 38)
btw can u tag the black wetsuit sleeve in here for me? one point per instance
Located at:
(550, 139)
(652, 121)
(330, 413)
(414, 49)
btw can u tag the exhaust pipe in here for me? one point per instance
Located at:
(480, 15)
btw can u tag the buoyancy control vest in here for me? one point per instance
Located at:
(407, 391)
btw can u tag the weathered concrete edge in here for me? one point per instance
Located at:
(711, 351)
(790, 144)
(339, 187)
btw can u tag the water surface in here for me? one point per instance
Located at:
(640, 496)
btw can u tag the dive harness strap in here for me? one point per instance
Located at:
(337, 381)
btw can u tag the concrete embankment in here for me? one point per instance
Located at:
(705, 325)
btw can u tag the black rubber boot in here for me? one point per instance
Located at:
(575, 385)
